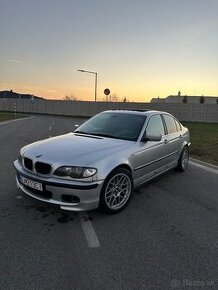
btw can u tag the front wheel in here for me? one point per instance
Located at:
(116, 191)
(183, 159)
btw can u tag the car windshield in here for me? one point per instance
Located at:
(114, 125)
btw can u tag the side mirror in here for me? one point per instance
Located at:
(154, 138)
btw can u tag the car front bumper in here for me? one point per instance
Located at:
(69, 195)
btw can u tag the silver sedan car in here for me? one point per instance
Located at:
(100, 163)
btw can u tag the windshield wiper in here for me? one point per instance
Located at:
(96, 134)
(103, 135)
(80, 132)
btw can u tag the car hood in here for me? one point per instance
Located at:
(74, 149)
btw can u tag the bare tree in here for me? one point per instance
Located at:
(125, 100)
(70, 98)
(111, 98)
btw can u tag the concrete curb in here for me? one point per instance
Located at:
(204, 165)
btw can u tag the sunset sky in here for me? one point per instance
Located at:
(139, 48)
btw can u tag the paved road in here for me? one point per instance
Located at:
(165, 239)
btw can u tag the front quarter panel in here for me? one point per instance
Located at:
(108, 164)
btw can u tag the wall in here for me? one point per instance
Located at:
(184, 112)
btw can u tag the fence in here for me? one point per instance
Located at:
(184, 112)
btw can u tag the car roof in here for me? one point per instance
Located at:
(138, 112)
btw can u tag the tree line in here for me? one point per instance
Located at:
(110, 98)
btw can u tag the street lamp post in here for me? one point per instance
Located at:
(96, 77)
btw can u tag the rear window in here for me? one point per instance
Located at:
(178, 125)
(170, 123)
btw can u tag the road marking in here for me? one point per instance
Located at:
(88, 230)
(19, 196)
(49, 129)
(20, 119)
(204, 167)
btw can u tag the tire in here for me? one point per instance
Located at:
(116, 191)
(183, 160)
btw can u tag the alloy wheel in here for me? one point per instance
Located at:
(117, 191)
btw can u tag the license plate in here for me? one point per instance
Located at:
(31, 183)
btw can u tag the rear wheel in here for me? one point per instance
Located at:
(116, 191)
(183, 159)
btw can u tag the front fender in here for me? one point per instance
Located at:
(108, 164)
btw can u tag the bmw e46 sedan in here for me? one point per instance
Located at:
(103, 160)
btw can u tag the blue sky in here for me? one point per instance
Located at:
(140, 49)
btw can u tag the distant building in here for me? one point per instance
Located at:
(176, 99)
(157, 100)
(12, 95)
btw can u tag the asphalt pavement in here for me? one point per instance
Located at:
(167, 237)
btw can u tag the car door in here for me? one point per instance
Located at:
(151, 156)
(174, 138)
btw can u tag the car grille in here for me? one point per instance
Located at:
(40, 167)
(28, 163)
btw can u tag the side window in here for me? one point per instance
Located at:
(178, 125)
(171, 125)
(155, 126)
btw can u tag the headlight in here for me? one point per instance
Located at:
(75, 172)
